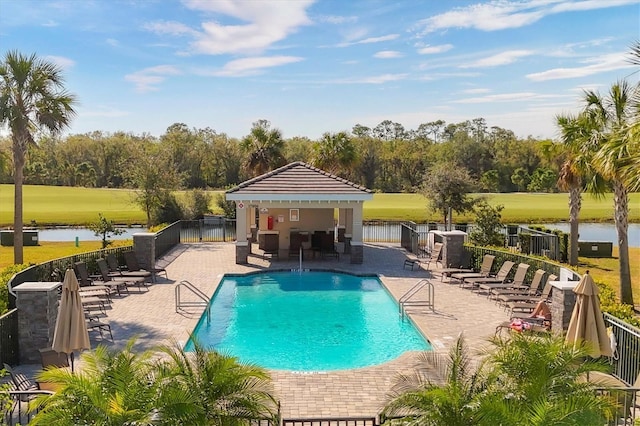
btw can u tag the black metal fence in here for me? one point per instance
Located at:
(167, 237)
(526, 240)
(9, 350)
(47, 271)
(22, 408)
(533, 241)
(194, 231)
(328, 421)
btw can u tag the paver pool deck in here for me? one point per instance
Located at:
(152, 318)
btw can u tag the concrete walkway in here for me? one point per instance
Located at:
(150, 316)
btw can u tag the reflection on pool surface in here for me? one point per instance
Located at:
(314, 321)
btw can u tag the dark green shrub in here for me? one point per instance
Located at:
(609, 304)
(524, 239)
(196, 204)
(488, 226)
(169, 210)
(228, 207)
(5, 275)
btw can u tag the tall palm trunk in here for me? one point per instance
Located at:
(18, 160)
(575, 204)
(621, 215)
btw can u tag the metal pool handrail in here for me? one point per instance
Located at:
(194, 290)
(429, 303)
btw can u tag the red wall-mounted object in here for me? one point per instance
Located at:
(270, 223)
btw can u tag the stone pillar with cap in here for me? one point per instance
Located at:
(356, 245)
(243, 247)
(563, 300)
(37, 304)
(452, 248)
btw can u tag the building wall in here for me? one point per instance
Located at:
(310, 220)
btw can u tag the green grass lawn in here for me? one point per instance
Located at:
(70, 205)
(49, 250)
(48, 205)
(607, 270)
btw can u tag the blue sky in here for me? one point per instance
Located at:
(315, 66)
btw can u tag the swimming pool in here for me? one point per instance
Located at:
(310, 321)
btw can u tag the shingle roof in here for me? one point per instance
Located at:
(299, 179)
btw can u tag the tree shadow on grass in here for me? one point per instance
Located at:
(586, 264)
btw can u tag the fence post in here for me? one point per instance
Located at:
(452, 249)
(562, 301)
(37, 304)
(144, 246)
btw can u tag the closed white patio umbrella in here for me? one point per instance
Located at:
(587, 324)
(71, 328)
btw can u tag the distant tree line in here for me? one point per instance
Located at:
(386, 158)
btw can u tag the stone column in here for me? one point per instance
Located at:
(342, 218)
(357, 249)
(144, 246)
(242, 252)
(242, 242)
(37, 304)
(348, 222)
(562, 301)
(452, 249)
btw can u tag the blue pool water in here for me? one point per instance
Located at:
(313, 321)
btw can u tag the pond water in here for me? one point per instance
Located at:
(601, 232)
(83, 234)
(588, 232)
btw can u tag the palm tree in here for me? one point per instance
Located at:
(577, 172)
(418, 400)
(539, 380)
(629, 136)
(114, 388)
(264, 147)
(32, 98)
(334, 153)
(612, 117)
(228, 392)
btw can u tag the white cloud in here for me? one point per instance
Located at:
(429, 50)
(169, 27)
(500, 14)
(438, 76)
(572, 6)
(388, 54)
(581, 89)
(569, 49)
(113, 42)
(61, 61)
(370, 40)
(266, 22)
(503, 58)
(254, 65)
(504, 97)
(337, 20)
(376, 79)
(614, 61)
(147, 79)
(50, 23)
(475, 91)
